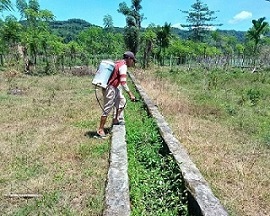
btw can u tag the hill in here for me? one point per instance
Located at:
(69, 30)
(240, 35)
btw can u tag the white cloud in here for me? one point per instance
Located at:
(243, 15)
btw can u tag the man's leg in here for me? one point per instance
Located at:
(115, 118)
(117, 105)
(109, 98)
(123, 104)
(120, 114)
(102, 123)
(119, 108)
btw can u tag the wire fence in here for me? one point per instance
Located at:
(68, 62)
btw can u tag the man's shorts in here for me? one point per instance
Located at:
(111, 97)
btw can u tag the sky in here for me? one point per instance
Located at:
(232, 14)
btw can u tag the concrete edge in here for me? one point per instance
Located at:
(196, 184)
(117, 202)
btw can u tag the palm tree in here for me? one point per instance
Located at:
(163, 39)
(255, 33)
(133, 24)
(148, 40)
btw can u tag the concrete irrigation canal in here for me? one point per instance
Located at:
(201, 199)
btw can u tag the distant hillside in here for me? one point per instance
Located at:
(240, 35)
(71, 28)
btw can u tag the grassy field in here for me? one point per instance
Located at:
(222, 118)
(47, 146)
(48, 123)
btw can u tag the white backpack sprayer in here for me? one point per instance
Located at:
(102, 76)
(103, 73)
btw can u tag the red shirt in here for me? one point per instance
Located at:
(118, 77)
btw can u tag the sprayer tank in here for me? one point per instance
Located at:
(103, 73)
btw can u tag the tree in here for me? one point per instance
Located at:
(108, 22)
(200, 20)
(35, 25)
(179, 49)
(133, 24)
(216, 36)
(163, 40)
(113, 43)
(10, 36)
(5, 5)
(255, 33)
(91, 40)
(148, 40)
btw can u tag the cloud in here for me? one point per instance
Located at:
(243, 15)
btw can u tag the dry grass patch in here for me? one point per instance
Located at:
(236, 167)
(47, 146)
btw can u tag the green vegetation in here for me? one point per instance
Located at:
(156, 186)
(200, 19)
(233, 97)
(40, 45)
(133, 24)
(222, 119)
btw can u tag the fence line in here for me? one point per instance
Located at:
(187, 61)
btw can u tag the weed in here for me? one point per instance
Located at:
(156, 186)
(254, 96)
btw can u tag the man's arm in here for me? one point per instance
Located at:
(123, 81)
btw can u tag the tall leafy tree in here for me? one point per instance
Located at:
(35, 25)
(91, 40)
(179, 49)
(5, 5)
(200, 19)
(133, 23)
(108, 22)
(10, 35)
(216, 36)
(163, 40)
(97, 41)
(113, 43)
(148, 39)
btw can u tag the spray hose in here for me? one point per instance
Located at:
(96, 88)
